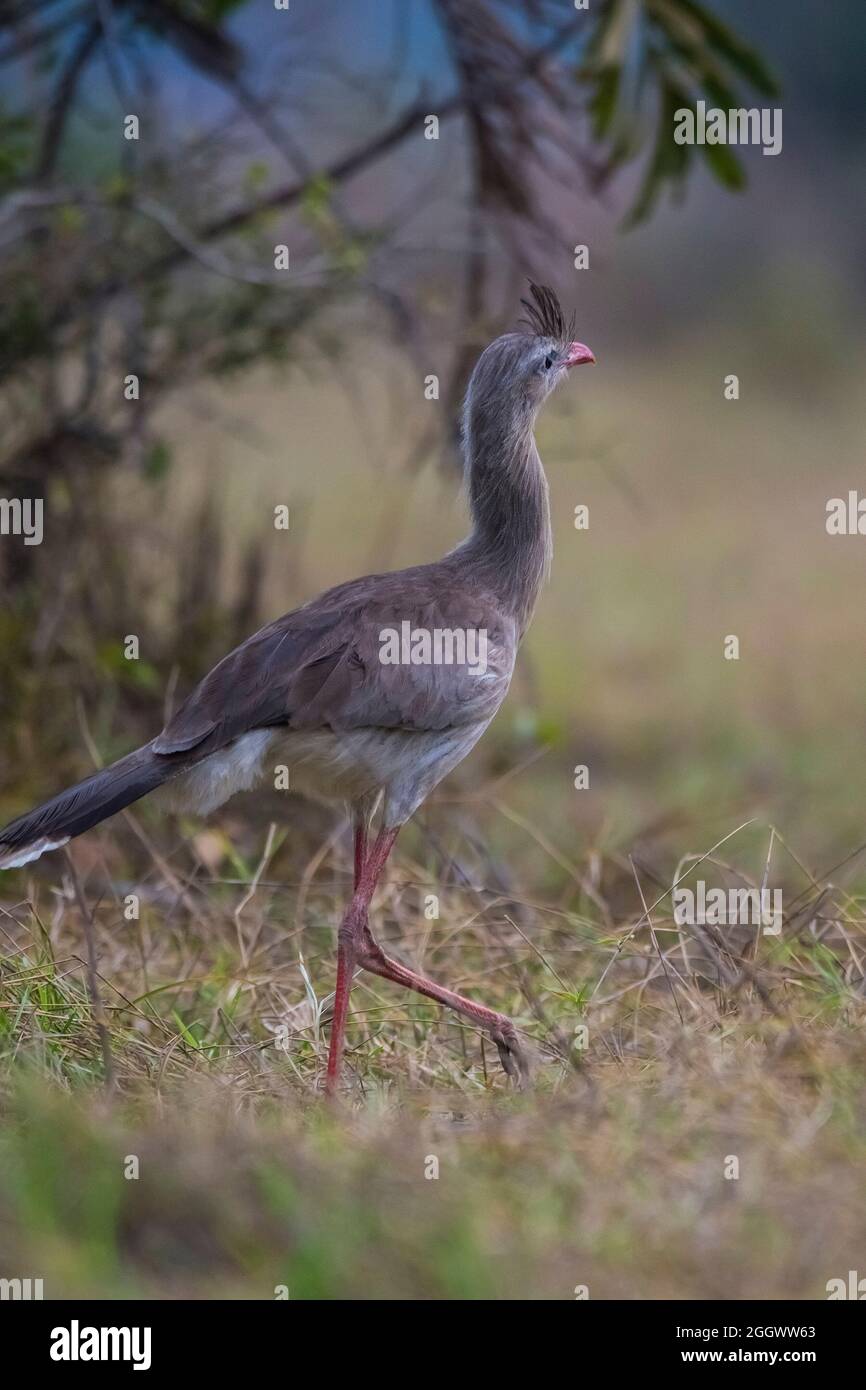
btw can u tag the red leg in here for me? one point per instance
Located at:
(345, 970)
(371, 957)
(360, 850)
(348, 942)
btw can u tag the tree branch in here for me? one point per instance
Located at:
(63, 96)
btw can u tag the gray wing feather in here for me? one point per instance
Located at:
(320, 667)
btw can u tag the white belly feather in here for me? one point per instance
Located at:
(345, 766)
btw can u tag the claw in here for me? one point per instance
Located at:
(514, 1059)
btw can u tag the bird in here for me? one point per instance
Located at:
(347, 691)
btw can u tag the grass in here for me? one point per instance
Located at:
(211, 1167)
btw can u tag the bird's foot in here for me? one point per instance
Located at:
(512, 1055)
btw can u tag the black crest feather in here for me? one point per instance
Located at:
(544, 317)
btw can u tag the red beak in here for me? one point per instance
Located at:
(577, 353)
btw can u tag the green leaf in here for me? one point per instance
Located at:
(740, 55)
(69, 219)
(724, 164)
(216, 10)
(603, 102)
(256, 175)
(157, 461)
(669, 161)
(138, 673)
(187, 1036)
(316, 198)
(117, 187)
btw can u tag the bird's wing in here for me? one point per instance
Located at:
(330, 665)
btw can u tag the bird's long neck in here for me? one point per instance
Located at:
(511, 544)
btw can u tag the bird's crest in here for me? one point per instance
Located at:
(544, 317)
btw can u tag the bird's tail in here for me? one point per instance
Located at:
(78, 808)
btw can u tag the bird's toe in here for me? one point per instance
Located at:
(514, 1058)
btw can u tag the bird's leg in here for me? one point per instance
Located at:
(349, 940)
(360, 850)
(503, 1032)
(345, 971)
(364, 810)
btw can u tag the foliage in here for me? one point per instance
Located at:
(667, 54)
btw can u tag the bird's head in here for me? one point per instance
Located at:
(519, 370)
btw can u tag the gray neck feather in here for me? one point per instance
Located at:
(511, 546)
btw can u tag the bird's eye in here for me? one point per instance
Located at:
(548, 363)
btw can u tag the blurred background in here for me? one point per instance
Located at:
(306, 387)
(154, 257)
